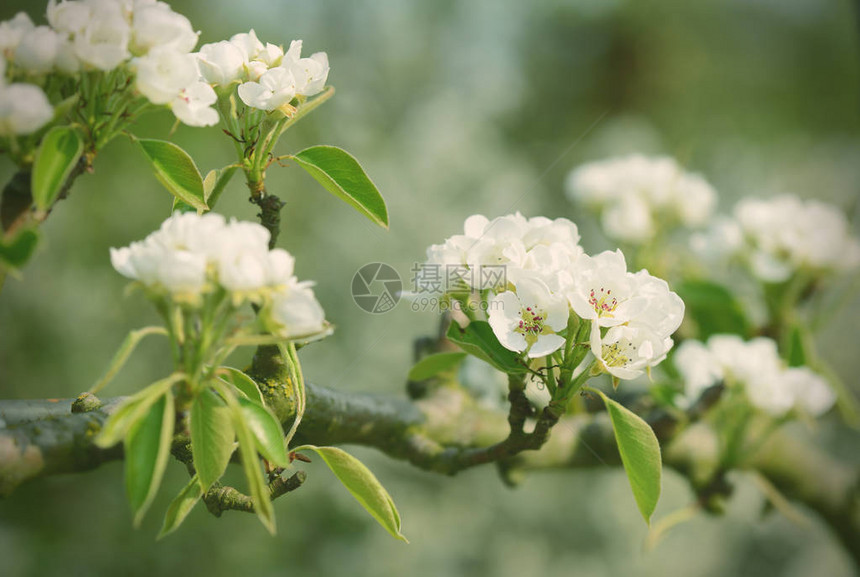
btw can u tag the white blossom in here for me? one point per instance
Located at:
(527, 320)
(193, 105)
(68, 17)
(786, 234)
(156, 25)
(24, 108)
(603, 292)
(103, 43)
(626, 351)
(310, 73)
(164, 73)
(276, 88)
(637, 195)
(296, 312)
(38, 50)
(12, 31)
(221, 62)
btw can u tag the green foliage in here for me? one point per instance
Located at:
(257, 486)
(268, 435)
(640, 454)
(478, 339)
(16, 251)
(243, 383)
(212, 437)
(180, 507)
(341, 174)
(215, 182)
(363, 485)
(432, 365)
(175, 169)
(147, 448)
(713, 308)
(57, 156)
(127, 414)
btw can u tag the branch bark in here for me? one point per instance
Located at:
(442, 432)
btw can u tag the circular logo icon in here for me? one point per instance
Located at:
(376, 288)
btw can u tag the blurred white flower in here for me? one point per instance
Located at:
(38, 50)
(527, 320)
(786, 234)
(756, 367)
(276, 89)
(164, 73)
(248, 44)
(68, 17)
(103, 43)
(220, 63)
(636, 195)
(155, 25)
(296, 312)
(24, 108)
(193, 106)
(11, 33)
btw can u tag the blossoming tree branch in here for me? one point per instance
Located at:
(565, 360)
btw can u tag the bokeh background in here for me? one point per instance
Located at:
(455, 108)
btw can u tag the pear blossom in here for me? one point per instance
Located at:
(310, 73)
(756, 368)
(603, 292)
(276, 88)
(193, 105)
(786, 234)
(626, 352)
(221, 62)
(164, 73)
(38, 50)
(527, 320)
(248, 44)
(156, 25)
(103, 43)
(24, 109)
(636, 195)
(296, 312)
(68, 17)
(12, 31)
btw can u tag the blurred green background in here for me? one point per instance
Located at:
(454, 108)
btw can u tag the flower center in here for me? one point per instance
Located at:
(531, 323)
(618, 354)
(603, 302)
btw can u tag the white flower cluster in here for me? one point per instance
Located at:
(86, 35)
(756, 366)
(191, 255)
(268, 77)
(784, 235)
(636, 195)
(548, 278)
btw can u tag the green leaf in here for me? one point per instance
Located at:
(131, 410)
(211, 437)
(640, 454)
(16, 251)
(268, 435)
(180, 507)
(363, 485)
(175, 169)
(713, 308)
(478, 339)
(432, 365)
(341, 174)
(243, 383)
(250, 463)
(57, 156)
(147, 448)
(215, 182)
